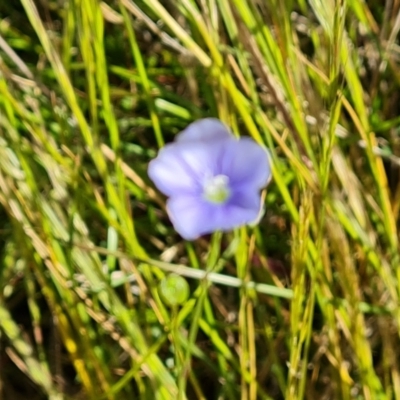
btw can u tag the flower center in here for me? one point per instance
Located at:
(216, 189)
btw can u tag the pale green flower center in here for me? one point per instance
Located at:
(216, 189)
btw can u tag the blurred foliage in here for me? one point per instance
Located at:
(305, 305)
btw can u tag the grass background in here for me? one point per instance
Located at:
(303, 306)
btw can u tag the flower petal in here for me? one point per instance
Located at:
(246, 163)
(243, 208)
(191, 216)
(207, 130)
(182, 167)
(170, 174)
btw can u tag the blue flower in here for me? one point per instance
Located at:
(212, 179)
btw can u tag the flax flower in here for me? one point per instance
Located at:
(212, 179)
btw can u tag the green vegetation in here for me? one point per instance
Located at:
(303, 306)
